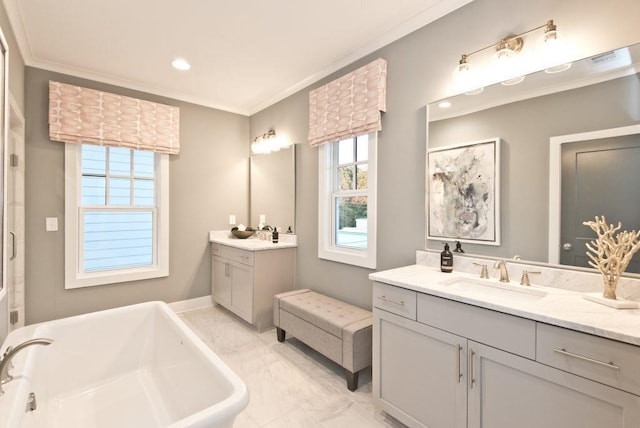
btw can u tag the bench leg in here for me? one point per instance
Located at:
(281, 334)
(352, 380)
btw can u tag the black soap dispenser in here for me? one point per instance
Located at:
(274, 235)
(446, 260)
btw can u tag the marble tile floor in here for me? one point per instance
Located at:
(290, 385)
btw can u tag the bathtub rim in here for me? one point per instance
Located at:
(223, 411)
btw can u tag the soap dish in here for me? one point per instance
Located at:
(616, 304)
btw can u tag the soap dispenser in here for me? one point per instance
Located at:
(446, 260)
(274, 235)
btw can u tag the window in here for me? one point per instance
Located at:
(116, 215)
(347, 205)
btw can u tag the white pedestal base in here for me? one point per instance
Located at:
(616, 304)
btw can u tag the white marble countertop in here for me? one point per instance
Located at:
(564, 308)
(253, 243)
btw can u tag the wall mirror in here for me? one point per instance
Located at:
(273, 189)
(596, 95)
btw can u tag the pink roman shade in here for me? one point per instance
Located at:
(81, 115)
(348, 106)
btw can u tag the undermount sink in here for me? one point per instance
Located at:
(494, 288)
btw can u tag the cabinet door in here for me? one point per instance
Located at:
(221, 281)
(419, 372)
(508, 391)
(242, 291)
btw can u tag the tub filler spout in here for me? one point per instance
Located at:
(5, 360)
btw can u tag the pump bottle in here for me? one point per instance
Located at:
(446, 260)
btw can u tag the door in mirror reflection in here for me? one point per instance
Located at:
(599, 177)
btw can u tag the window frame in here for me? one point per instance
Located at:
(74, 276)
(327, 222)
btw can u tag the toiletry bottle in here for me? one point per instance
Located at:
(274, 235)
(446, 260)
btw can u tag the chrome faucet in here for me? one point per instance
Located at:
(5, 360)
(504, 274)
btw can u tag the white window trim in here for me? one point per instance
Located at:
(74, 277)
(326, 246)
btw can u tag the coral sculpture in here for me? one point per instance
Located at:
(611, 252)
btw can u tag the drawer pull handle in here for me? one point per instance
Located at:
(395, 302)
(591, 360)
(244, 257)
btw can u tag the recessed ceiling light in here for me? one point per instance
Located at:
(445, 104)
(180, 64)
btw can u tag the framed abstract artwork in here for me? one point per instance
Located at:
(464, 192)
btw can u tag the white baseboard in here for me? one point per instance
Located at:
(191, 304)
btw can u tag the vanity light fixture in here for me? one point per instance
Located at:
(180, 64)
(506, 51)
(268, 142)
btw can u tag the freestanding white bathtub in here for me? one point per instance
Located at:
(135, 366)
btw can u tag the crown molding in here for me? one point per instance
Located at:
(134, 85)
(436, 11)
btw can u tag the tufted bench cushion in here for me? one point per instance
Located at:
(329, 314)
(338, 330)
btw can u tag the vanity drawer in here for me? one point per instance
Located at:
(397, 300)
(507, 332)
(234, 254)
(607, 361)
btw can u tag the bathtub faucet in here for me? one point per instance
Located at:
(5, 360)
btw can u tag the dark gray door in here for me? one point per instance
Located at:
(599, 177)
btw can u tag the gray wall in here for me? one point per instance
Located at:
(420, 67)
(208, 181)
(525, 128)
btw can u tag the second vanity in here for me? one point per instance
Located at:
(247, 273)
(451, 350)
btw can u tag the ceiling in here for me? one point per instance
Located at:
(245, 55)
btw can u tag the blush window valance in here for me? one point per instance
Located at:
(82, 115)
(348, 106)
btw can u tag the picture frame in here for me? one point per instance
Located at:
(464, 192)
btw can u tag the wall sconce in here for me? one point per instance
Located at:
(268, 142)
(507, 69)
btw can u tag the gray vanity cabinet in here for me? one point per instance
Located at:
(510, 391)
(438, 363)
(232, 286)
(420, 372)
(221, 280)
(245, 281)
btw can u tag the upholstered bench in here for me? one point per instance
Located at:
(338, 330)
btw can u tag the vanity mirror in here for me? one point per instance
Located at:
(272, 189)
(537, 120)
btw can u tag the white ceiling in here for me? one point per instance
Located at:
(245, 54)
